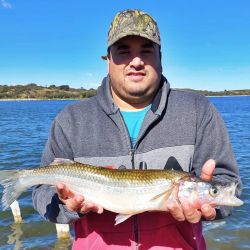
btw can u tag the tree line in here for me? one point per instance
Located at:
(34, 91)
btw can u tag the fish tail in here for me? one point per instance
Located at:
(10, 180)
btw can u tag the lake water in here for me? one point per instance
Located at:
(24, 127)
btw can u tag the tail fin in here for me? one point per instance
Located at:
(9, 179)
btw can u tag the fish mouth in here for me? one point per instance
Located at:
(229, 201)
(228, 196)
(233, 201)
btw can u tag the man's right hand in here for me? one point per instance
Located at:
(75, 202)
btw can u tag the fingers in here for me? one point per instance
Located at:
(207, 170)
(75, 202)
(192, 214)
(72, 201)
(208, 212)
(174, 207)
(185, 211)
(90, 207)
(176, 212)
(78, 204)
(182, 211)
(63, 192)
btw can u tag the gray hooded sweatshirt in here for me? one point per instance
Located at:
(182, 130)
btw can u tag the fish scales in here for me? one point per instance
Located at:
(108, 176)
(125, 192)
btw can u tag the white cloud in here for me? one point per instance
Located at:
(5, 4)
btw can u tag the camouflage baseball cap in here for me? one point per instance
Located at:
(133, 22)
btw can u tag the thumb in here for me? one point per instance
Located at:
(207, 170)
(63, 191)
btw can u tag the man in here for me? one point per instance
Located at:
(136, 121)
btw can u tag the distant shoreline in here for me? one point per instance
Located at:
(78, 99)
(33, 91)
(37, 99)
(225, 95)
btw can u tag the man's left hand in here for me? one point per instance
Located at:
(185, 211)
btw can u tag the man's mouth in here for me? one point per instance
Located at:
(136, 76)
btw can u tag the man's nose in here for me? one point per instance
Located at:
(136, 62)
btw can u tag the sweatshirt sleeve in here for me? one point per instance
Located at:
(212, 142)
(45, 198)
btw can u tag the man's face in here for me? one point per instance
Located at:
(135, 70)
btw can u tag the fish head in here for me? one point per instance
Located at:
(198, 193)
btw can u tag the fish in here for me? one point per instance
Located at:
(122, 191)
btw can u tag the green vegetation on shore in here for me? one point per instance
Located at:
(221, 93)
(34, 91)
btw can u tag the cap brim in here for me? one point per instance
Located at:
(134, 33)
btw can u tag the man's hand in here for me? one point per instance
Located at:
(75, 202)
(185, 211)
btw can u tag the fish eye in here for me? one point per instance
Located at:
(213, 191)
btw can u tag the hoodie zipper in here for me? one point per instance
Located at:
(136, 233)
(132, 154)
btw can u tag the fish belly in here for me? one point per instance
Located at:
(124, 200)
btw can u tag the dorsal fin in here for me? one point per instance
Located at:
(58, 161)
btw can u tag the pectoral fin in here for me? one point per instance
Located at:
(166, 194)
(161, 196)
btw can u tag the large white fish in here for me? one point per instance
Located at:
(126, 192)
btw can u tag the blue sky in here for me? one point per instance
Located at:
(205, 44)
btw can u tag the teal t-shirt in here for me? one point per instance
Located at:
(133, 121)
